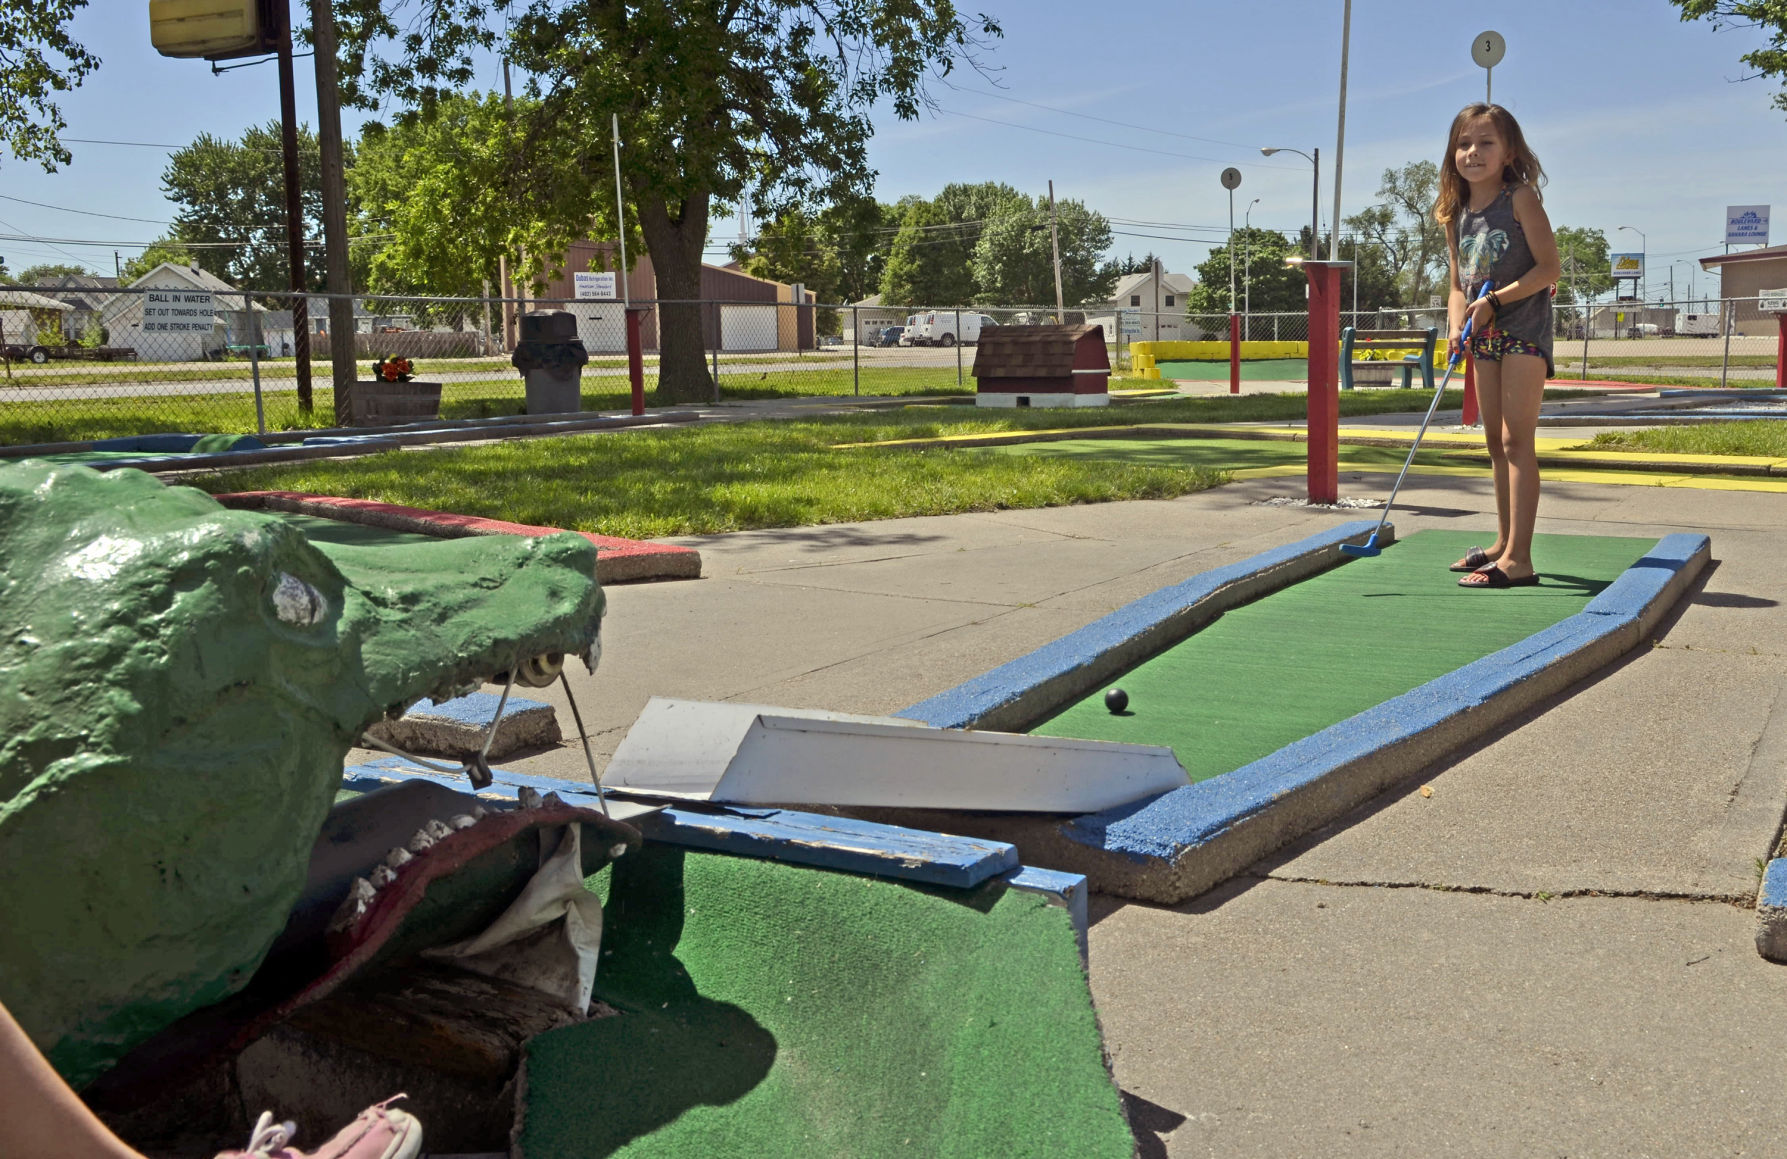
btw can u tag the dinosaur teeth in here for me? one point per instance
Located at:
(616, 851)
(382, 876)
(353, 907)
(529, 797)
(593, 655)
(463, 821)
(398, 856)
(438, 829)
(554, 799)
(479, 812)
(422, 840)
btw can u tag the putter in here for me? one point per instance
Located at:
(1370, 547)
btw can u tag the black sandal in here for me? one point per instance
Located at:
(1474, 560)
(1495, 577)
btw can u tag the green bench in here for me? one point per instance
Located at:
(1352, 340)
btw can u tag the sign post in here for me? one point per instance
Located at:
(1324, 380)
(1487, 50)
(1231, 180)
(1775, 302)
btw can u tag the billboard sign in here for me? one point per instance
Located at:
(597, 284)
(1746, 225)
(1628, 266)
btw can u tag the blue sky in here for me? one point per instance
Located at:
(1638, 118)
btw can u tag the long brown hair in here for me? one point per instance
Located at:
(1522, 167)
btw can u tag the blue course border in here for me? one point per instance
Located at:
(1179, 844)
(839, 843)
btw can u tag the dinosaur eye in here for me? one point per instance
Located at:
(297, 603)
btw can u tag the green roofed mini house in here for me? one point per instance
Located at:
(1042, 366)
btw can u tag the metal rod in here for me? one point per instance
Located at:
(620, 219)
(583, 735)
(1346, 36)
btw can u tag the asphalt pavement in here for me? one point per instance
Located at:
(1549, 954)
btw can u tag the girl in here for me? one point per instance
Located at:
(1496, 231)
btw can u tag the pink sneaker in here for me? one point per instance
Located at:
(379, 1132)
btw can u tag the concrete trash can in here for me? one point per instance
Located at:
(551, 358)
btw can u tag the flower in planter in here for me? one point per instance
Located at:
(391, 368)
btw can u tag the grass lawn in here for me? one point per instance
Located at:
(782, 473)
(1745, 437)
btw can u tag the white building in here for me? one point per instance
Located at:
(1146, 308)
(176, 314)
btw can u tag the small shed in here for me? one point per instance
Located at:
(1042, 366)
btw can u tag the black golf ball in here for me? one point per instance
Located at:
(1116, 700)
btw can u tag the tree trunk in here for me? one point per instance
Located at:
(675, 246)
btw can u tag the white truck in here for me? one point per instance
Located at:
(1696, 325)
(947, 327)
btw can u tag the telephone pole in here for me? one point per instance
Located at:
(294, 214)
(1055, 244)
(328, 132)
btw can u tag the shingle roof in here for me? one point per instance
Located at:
(1030, 351)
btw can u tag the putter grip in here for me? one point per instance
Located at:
(1464, 335)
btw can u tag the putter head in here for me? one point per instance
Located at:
(1365, 550)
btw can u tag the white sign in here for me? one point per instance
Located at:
(178, 312)
(1746, 225)
(1628, 265)
(1772, 301)
(1129, 321)
(1488, 49)
(595, 284)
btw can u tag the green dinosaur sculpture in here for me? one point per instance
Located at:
(179, 684)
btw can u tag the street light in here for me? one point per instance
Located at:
(1315, 194)
(1643, 262)
(1247, 267)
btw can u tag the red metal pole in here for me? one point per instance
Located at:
(1324, 381)
(1781, 353)
(1470, 391)
(1234, 354)
(636, 358)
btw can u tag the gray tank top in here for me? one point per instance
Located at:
(1491, 245)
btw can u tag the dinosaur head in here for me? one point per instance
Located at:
(179, 684)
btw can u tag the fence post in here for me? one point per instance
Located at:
(1727, 315)
(855, 350)
(254, 363)
(958, 348)
(716, 372)
(1585, 318)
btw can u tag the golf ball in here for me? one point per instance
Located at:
(1116, 700)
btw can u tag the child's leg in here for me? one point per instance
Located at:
(39, 1115)
(1489, 406)
(1522, 392)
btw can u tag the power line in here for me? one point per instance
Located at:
(84, 212)
(1103, 120)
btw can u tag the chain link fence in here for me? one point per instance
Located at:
(83, 365)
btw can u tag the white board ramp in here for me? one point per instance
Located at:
(751, 754)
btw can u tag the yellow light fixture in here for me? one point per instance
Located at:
(215, 29)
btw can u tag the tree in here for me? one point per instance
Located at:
(234, 192)
(1403, 230)
(437, 201)
(32, 35)
(44, 273)
(930, 262)
(1014, 258)
(713, 97)
(1770, 15)
(1130, 264)
(161, 250)
(1272, 287)
(1587, 267)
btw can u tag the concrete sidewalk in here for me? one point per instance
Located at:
(1551, 954)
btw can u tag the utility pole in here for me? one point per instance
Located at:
(328, 132)
(1157, 300)
(1055, 244)
(504, 286)
(294, 214)
(117, 266)
(1346, 36)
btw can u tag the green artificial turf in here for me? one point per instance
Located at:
(1258, 370)
(1294, 662)
(773, 1010)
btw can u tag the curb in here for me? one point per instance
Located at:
(617, 560)
(1175, 846)
(1771, 912)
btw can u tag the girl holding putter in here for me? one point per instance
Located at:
(1497, 232)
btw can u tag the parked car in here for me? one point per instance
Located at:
(939, 328)
(886, 336)
(909, 331)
